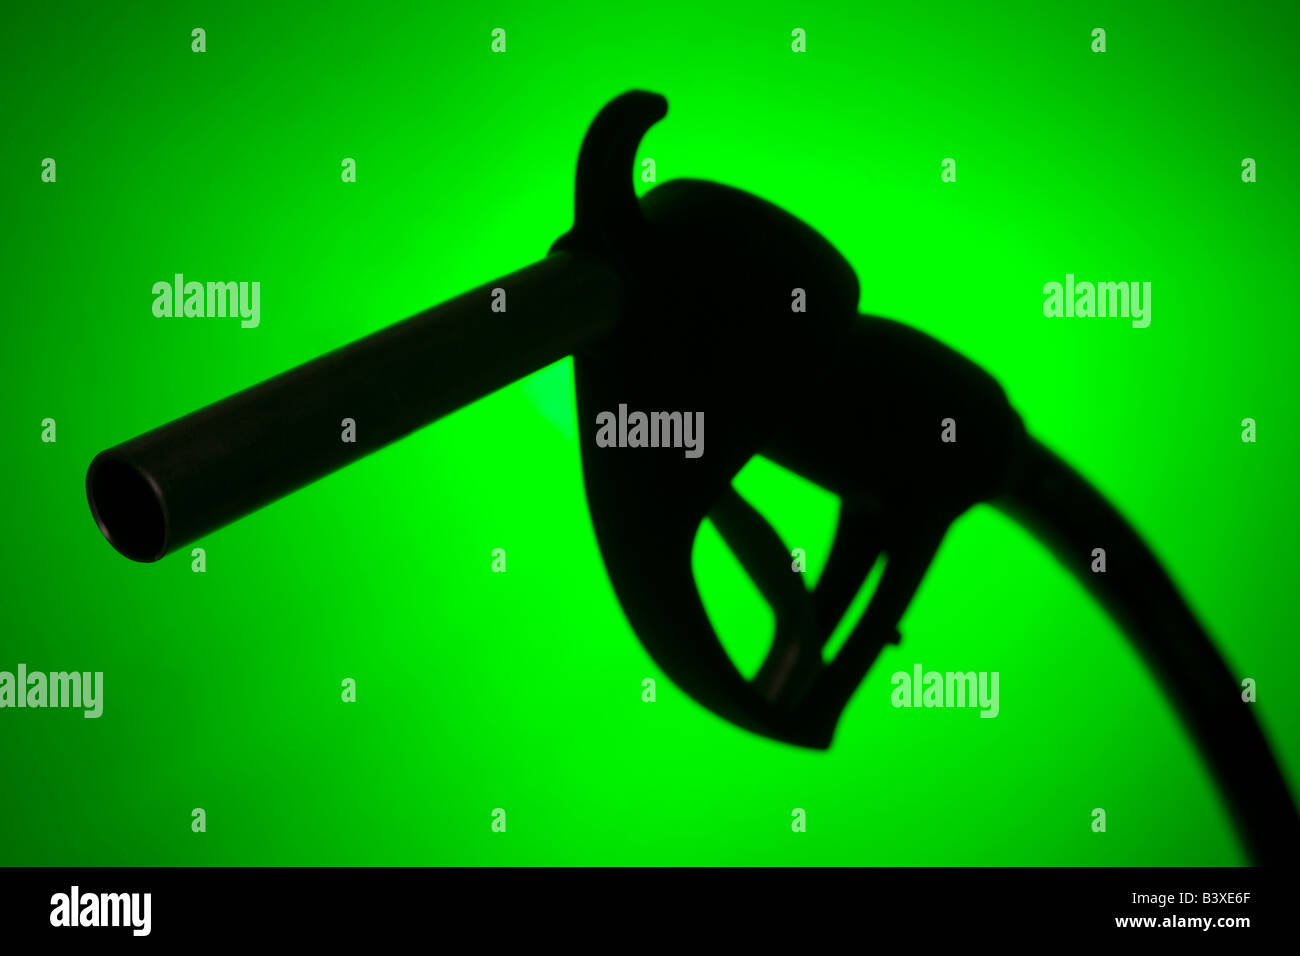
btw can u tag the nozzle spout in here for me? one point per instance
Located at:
(170, 486)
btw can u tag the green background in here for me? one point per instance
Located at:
(523, 690)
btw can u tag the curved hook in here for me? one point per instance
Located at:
(606, 212)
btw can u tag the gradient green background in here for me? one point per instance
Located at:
(523, 690)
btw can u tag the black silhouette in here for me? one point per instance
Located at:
(681, 301)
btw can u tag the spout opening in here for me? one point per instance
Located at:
(128, 507)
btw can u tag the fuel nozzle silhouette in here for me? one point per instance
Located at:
(681, 301)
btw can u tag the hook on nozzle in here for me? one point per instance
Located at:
(606, 213)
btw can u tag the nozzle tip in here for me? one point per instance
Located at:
(127, 506)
